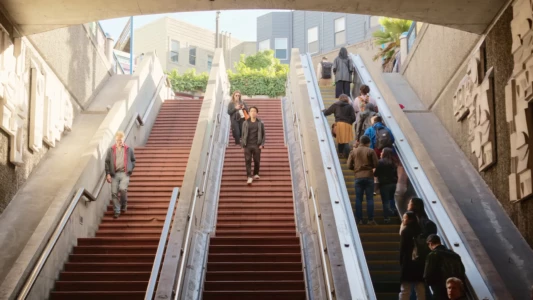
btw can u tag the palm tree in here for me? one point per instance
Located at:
(390, 38)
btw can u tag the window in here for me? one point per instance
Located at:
(340, 31)
(209, 62)
(174, 51)
(281, 46)
(312, 40)
(192, 56)
(264, 45)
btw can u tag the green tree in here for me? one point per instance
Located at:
(390, 38)
(188, 81)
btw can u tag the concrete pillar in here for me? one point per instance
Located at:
(403, 48)
(109, 43)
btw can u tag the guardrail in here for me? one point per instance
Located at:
(423, 188)
(411, 36)
(161, 246)
(357, 271)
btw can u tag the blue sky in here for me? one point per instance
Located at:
(240, 23)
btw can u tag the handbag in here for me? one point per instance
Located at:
(334, 130)
(246, 115)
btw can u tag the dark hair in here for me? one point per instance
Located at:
(434, 239)
(378, 119)
(418, 208)
(364, 89)
(344, 98)
(370, 107)
(324, 58)
(255, 107)
(411, 216)
(388, 156)
(365, 140)
(343, 53)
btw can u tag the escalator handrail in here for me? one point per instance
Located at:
(181, 272)
(161, 246)
(423, 188)
(360, 270)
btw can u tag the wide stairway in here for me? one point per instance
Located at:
(381, 242)
(116, 263)
(255, 253)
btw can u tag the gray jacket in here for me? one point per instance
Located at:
(233, 112)
(129, 160)
(343, 69)
(260, 133)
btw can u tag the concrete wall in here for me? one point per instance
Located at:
(153, 37)
(77, 63)
(246, 48)
(434, 70)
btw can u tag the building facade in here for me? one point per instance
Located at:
(312, 32)
(182, 46)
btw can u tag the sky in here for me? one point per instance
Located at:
(241, 24)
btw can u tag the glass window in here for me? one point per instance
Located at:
(340, 31)
(281, 46)
(312, 40)
(264, 45)
(192, 56)
(174, 51)
(209, 62)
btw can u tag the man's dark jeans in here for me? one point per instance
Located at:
(252, 151)
(364, 186)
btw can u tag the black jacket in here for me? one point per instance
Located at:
(386, 173)
(234, 113)
(260, 133)
(434, 260)
(343, 112)
(410, 270)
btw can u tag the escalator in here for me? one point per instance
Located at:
(117, 262)
(256, 253)
(381, 243)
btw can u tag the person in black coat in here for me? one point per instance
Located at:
(236, 110)
(344, 118)
(412, 271)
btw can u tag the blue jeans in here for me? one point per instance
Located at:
(362, 186)
(387, 197)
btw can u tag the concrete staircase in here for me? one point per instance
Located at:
(256, 252)
(381, 243)
(116, 263)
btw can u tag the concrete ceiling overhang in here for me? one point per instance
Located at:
(36, 16)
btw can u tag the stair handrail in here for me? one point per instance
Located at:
(161, 246)
(362, 267)
(424, 189)
(185, 251)
(82, 192)
(210, 150)
(43, 258)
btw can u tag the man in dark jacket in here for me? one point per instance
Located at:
(441, 264)
(119, 165)
(253, 140)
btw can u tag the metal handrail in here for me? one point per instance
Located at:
(424, 189)
(186, 246)
(161, 246)
(322, 247)
(345, 199)
(82, 192)
(117, 62)
(210, 151)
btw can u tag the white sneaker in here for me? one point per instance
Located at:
(256, 177)
(250, 180)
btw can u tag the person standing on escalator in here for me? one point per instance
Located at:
(119, 165)
(238, 112)
(343, 70)
(253, 141)
(344, 118)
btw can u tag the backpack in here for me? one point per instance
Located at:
(421, 249)
(326, 70)
(452, 266)
(383, 138)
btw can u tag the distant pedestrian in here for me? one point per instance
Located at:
(364, 121)
(344, 118)
(238, 111)
(441, 264)
(411, 270)
(363, 161)
(387, 178)
(380, 136)
(324, 72)
(253, 141)
(364, 97)
(343, 70)
(456, 289)
(119, 165)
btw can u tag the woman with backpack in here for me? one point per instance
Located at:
(343, 70)
(344, 118)
(387, 177)
(364, 120)
(364, 97)
(411, 270)
(238, 112)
